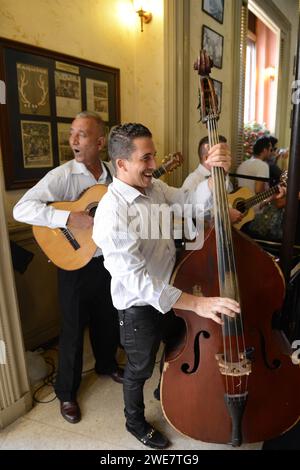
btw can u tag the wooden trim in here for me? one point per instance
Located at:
(176, 40)
(238, 89)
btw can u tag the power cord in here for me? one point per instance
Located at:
(49, 380)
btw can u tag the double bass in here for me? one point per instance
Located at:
(234, 383)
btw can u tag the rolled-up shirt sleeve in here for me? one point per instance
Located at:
(33, 207)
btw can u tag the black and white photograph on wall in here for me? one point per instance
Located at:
(64, 150)
(218, 90)
(68, 94)
(37, 144)
(212, 42)
(214, 8)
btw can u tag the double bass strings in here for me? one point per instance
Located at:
(226, 260)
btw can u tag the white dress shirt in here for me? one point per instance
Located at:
(194, 178)
(140, 268)
(63, 183)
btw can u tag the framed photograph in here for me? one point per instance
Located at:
(212, 42)
(218, 90)
(214, 8)
(44, 92)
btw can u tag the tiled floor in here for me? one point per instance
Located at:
(102, 425)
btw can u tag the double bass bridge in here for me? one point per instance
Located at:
(235, 369)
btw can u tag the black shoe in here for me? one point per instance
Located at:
(153, 438)
(117, 375)
(70, 411)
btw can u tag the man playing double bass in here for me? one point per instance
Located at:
(141, 265)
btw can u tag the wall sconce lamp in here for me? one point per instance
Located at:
(145, 16)
(270, 72)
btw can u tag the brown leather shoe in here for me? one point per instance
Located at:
(70, 411)
(118, 375)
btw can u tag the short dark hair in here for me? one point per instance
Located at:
(120, 140)
(261, 144)
(273, 141)
(204, 140)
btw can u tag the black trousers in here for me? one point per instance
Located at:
(85, 299)
(141, 330)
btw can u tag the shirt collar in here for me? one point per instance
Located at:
(80, 168)
(204, 170)
(128, 192)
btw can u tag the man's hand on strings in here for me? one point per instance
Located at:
(219, 155)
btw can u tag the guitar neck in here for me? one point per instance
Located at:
(259, 197)
(159, 172)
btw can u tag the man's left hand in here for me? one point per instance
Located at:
(219, 155)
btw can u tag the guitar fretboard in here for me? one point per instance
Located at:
(69, 236)
(242, 206)
(159, 172)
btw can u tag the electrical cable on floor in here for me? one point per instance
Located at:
(49, 380)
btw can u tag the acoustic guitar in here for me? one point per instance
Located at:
(244, 200)
(73, 249)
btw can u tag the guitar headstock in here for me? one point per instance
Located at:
(172, 161)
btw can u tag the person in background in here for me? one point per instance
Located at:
(203, 171)
(141, 266)
(256, 166)
(275, 171)
(84, 293)
(276, 155)
(269, 214)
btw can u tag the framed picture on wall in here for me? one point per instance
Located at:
(218, 90)
(44, 92)
(212, 42)
(214, 8)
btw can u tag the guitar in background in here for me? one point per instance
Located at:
(73, 249)
(244, 200)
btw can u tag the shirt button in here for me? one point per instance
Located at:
(121, 323)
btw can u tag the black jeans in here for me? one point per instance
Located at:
(85, 300)
(141, 330)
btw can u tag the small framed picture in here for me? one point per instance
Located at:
(212, 42)
(218, 90)
(214, 8)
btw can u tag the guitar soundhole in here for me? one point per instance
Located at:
(240, 206)
(92, 210)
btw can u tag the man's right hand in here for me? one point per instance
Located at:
(80, 220)
(208, 307)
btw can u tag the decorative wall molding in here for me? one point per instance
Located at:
(15, 396)
(176, 43)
